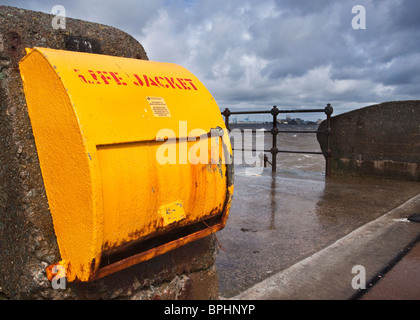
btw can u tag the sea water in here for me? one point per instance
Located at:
(290, 141)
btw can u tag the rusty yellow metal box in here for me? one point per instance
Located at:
(134, 155)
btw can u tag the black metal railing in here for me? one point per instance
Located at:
(328, 110)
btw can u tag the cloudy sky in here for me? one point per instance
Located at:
(289, 53)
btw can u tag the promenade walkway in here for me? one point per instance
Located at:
(298, 235)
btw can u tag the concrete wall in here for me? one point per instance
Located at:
(381, 140)
(27, 239)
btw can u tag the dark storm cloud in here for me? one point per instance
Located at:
(285, 52)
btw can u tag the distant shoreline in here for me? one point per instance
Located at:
(269, 126)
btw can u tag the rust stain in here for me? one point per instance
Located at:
(151, 253)
(49, 272)
(144, 234)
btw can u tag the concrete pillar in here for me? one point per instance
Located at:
(27, 239)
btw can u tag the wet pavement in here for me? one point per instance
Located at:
(297, 235)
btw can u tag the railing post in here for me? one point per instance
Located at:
(328, 132)
(274, 132)
(226, 114)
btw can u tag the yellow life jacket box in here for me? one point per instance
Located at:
(134, 154)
